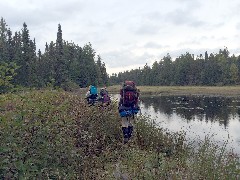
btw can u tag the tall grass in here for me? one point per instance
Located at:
(185, 90)
(55, 135)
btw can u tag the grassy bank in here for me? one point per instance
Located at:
(55, 135)
(185, 90)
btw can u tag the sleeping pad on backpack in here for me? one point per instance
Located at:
(128, 111)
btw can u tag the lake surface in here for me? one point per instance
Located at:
(198, 116)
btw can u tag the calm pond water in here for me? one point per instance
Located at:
(198, 116)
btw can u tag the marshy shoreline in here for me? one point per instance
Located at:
(54, 134)
(226, 91)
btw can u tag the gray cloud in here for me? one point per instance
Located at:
(149, 23)
(153, 23)
(147, 29)
(191, 42)
(181, 17)
(118, 58)
(123, 58)
(38, 13)
(238, 26)
(153, 45)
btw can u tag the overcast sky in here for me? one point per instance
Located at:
(130, 33)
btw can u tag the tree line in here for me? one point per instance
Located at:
(66, 64)
(62, 64)
(208, 69)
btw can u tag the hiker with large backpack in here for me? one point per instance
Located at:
(92, 95)
(128, 107)
(104, 97)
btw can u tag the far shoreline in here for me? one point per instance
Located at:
(226, 91)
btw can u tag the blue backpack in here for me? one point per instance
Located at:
(93, 90)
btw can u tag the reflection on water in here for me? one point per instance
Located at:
(213, 109)
(198, 116)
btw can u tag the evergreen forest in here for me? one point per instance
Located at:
(217, 69)
(65, 64)
(62, 64)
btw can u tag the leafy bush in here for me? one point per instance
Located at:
(7, 73)
(50, 134)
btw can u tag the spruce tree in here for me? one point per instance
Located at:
(10, 48)
(3, 41)
(60, 67)
(99, 71)
(26, 74)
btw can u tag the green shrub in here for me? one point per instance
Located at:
(53, 134)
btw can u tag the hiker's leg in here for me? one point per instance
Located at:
(130, 126)
(125, 129)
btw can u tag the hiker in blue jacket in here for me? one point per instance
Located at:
(92, 94)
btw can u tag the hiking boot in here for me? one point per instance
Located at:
(125, 134)
(130, 131)
(125, 140)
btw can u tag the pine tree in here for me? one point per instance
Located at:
(103, 76)
(3, 41)
(26, 74)
(60, 67)
(10, 48)
(17, 49)
(89, 73)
